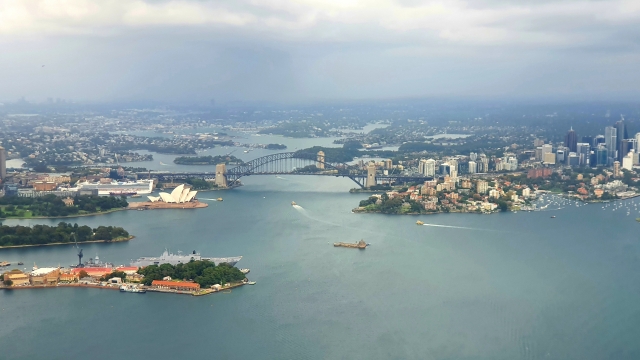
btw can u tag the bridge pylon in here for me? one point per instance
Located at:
(221, 175)
(371, 176)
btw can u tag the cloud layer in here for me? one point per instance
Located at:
(322, 49)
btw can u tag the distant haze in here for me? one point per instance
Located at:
(278, 50)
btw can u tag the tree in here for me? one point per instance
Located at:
(8, 282)
(82, 274)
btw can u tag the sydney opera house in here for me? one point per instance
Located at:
(179, 195)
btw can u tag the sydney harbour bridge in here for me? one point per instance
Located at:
(290, 163)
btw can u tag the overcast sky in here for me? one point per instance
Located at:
(278, 50)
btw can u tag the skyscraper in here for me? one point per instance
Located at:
(621, 128)
(570, 140)
(472, 167)
(582, 150)
(611, 140)
(602, 156)
(430, 168)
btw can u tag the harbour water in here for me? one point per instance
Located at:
(504, 286)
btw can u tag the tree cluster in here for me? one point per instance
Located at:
(203, 272)
(44, 234)
(53, 206)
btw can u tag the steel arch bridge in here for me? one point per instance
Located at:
(288, 163)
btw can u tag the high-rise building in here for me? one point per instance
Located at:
(602, 155)
(472, 167)
(444, 169)
(627, 161)
(571, 139)
(611, 140)
(513, 163)
(597, 141)
(482, 186)
(616, 169)
(574, 160)
(628, 145)
(549, 158)
(3, 163)
(582, 150)
(621, 128)
(388, 164)
(538, 142)
(546, 149)
(453, 170)
(588, 140)
(473, 156)
(430, 169)
(422, 167)
(560, 156)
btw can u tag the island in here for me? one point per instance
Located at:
(53, 206)
(44, 235)
(208, 160)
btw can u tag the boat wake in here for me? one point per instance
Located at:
(163, 164)
(458, 227)
(208, 199)
(298, 207)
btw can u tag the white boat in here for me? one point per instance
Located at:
(132, 289)
(251, 282)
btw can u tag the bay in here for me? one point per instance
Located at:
(505, 286)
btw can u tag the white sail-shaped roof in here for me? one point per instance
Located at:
(153, 198)
(166, 197)
(183, 196)
(175, 194)
(190, 196)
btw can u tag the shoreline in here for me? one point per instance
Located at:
(64, 217)
(131, 237)
(201, 292)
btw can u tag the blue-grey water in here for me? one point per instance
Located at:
(504, 286)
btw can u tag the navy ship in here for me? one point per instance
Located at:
(179, 258)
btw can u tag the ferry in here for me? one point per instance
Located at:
(293, 203)
(419, 222)
(132, 289)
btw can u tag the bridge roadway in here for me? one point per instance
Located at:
(288, 164)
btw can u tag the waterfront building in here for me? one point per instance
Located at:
(482, 186)
(181, 194)
(3, 163)
(493, 193)
(571, 140)
(526, 192)
(44, 276)
(17, 277)
(175, 285)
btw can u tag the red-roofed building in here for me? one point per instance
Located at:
(175, 285)
(94, 272)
